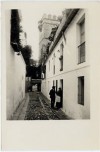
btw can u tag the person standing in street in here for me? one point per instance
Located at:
(52, 96)
(59, 93)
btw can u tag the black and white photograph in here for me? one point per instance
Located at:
(48, 65)
(50, 69)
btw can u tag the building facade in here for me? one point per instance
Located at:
(68, 64)
(15, 73)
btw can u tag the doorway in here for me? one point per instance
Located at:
(56, 85)
(61, 85)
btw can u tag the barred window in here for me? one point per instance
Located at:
(81, 47)
(81, 90)
(81, 53)
(82, 31)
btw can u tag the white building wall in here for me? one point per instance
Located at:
(71, 70)
(15, 74)
(19, 79)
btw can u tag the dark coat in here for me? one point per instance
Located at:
(52, 93)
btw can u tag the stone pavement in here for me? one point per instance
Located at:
(60, 114)
(35, 111)
(37, 107)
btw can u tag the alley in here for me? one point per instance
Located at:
(42, 64)
(37, 107)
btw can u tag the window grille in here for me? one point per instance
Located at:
(81, 90)
(81, 47)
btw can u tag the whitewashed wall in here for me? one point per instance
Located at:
(71, 70)
(15, 74)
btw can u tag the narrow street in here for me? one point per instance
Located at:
(37, 107)
(42, 65)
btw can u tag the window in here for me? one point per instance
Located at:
(54, 69)
(61, 48)
(82, 31)
(49, 65)
(54, 64)
(61, 57)
(61, 62)
(81, 47)
(81, 90)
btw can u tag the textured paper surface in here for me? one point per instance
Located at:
(55, 135)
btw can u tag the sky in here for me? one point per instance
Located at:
(30, 18)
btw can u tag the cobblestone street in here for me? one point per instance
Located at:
(38, 108)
